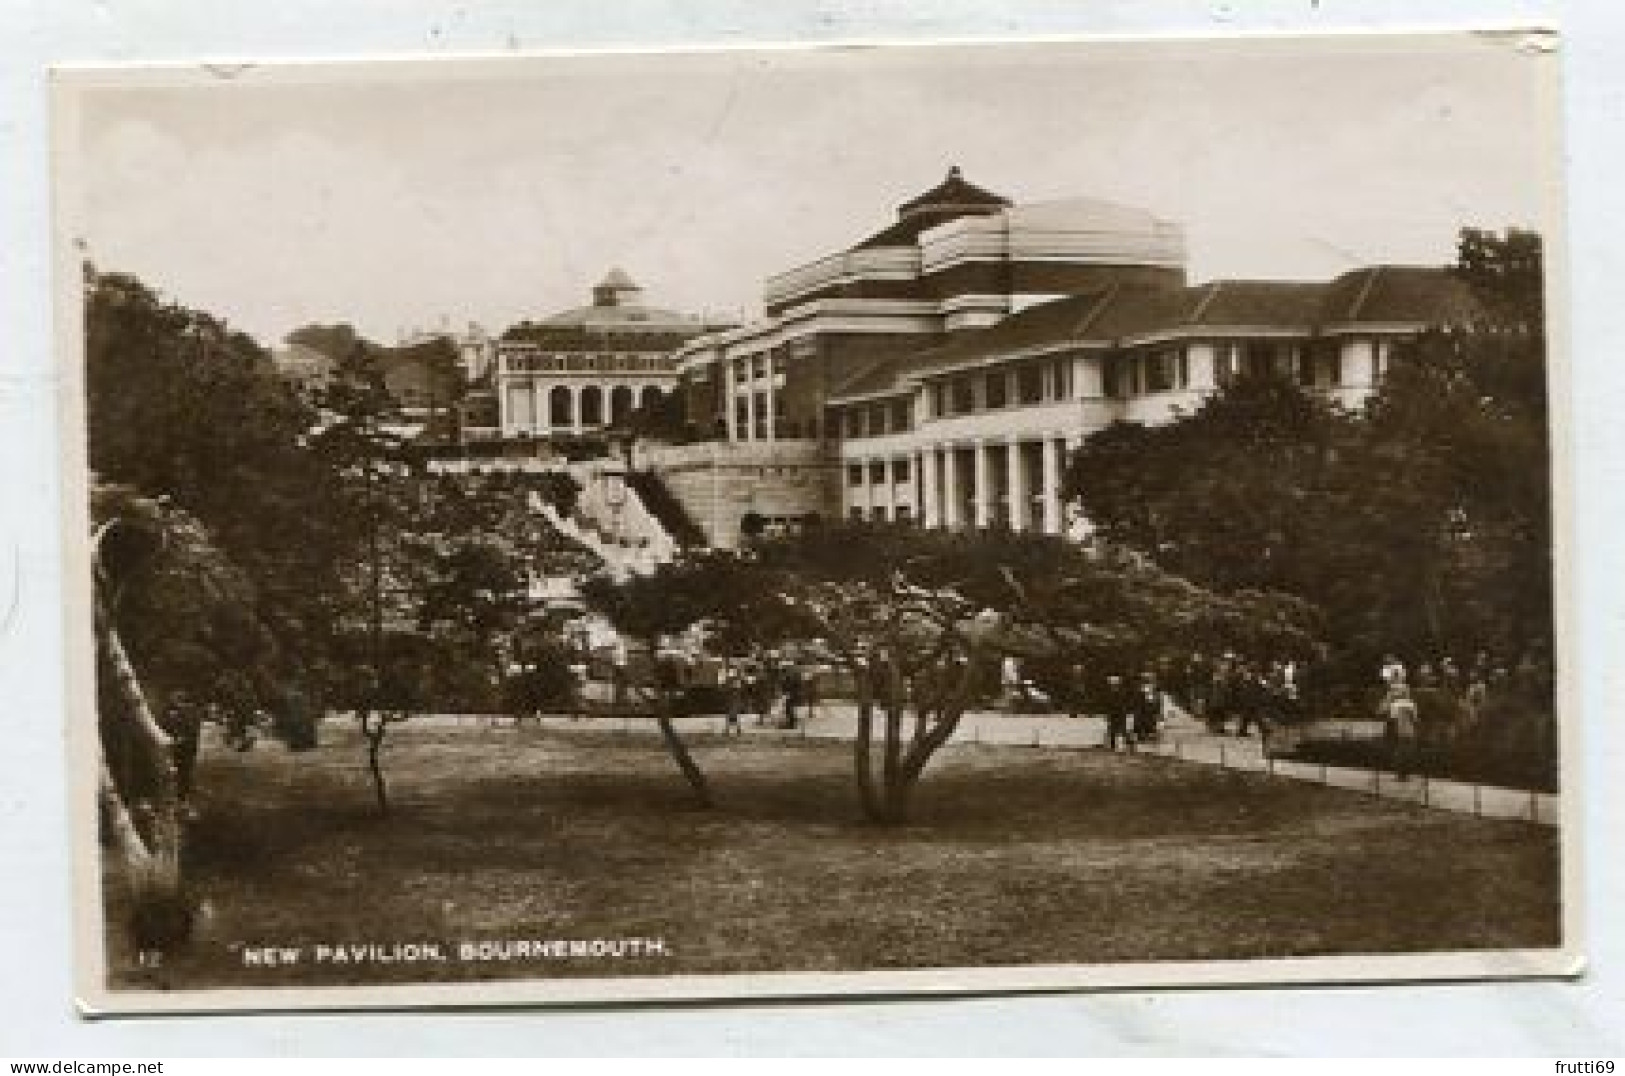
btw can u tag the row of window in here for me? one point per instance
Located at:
(875, 471)
(562, 405)
(1167, 369)
(879, 514)
(1023, 384)
(552, 362)
(878, 418)
(756, 367)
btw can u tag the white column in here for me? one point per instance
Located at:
(930, 515)
(730, 398)
(1017, 485)
(772, 403)
(889, 489)
(950, 487)
(1052, 487)
(984, 484)
(750, 402)
(503, 417)
(575, 408)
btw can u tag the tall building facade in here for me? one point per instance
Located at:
(940, 369)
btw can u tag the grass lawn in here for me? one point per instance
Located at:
(1016, 856)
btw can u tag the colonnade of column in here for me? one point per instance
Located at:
(536, 405)
(1014, 482)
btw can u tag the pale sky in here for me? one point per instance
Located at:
(394, 196)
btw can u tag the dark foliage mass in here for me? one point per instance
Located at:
(1419, 525)
(302, 556)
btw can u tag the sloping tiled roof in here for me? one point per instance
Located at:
(1271, 303)
(1400, 294)
(955, 193)
(874, 379)
(879, 369)
(1385, 295)
(953, 197)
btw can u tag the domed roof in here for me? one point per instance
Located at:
(616, 305)
(623, 316)
(617, 280)
(1085, 214)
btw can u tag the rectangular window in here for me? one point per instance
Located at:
(1030, 383)
(1061, 379)
(1111, 377)
(902, 417)
(854, 474)
(1224, 364)
(1159, 371)
(1257, 359)
(938, 400)
(1134, 374)
(904, 513)
(1184, 367)
(994, 390)
(899, 470)
(963, 396)
(855, 514)
(878, 513)
(758, 366)
(877, 472)
(877, 419)
(1332, 368)
(1306, 367)
(741, 417)
(741, 370)
(854, 422)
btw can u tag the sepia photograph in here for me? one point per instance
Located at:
(795, 522)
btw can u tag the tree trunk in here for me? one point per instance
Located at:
(161, 913)
(373, 727)
(685, 761)
(164, 840)
(862, 751)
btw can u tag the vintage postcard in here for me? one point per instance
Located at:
(787, 522)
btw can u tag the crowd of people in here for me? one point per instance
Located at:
(1486, 708)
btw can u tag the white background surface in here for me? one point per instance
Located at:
(36, 1018)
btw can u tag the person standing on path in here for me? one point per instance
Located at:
(731, 701)
(1145, 709)
(1402, 721)
(1119, 703)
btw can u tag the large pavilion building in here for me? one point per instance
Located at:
(588, 367)
(939, 369)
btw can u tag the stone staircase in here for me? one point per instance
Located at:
(612, 521)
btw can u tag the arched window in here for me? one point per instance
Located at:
(560, 412)
(620, 403)
(592, 406)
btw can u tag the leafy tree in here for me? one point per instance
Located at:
(1420, 524)
(1507, 273)
(915, 618)
(182, 407)
(373, 505)
(712, 588)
